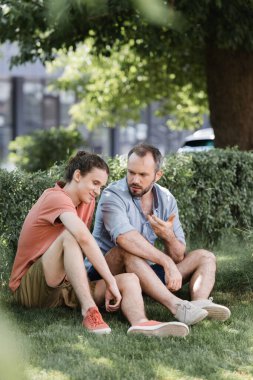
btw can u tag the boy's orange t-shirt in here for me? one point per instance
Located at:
(41, 228)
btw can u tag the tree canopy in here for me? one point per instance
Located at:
(193, 47)
(112, 89)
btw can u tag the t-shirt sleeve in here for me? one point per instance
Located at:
(114, 214)
(54, 204)
(85, 212)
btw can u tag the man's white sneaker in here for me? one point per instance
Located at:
(215, 311)
(189, 313)
(161, 329)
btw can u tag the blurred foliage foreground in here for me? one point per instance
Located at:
(214, 192)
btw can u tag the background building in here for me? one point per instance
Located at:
(27, 105)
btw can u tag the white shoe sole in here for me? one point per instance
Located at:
(161, 330)
(218, 312)
(198, 319)
(100, 331)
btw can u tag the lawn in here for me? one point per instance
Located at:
(51, 344)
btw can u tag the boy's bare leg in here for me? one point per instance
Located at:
(64, 257)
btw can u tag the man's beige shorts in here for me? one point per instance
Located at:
(34, 291)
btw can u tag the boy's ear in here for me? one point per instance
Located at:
(77, 175)
(158, 175)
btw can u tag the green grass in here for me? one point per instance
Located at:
(51, 344)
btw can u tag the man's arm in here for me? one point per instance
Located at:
(122, 232)
(134, 243)
(164, 229)
(90, 248)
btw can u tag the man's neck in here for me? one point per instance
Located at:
(147, 203)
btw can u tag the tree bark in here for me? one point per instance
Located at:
(230, 93)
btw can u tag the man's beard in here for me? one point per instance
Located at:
(143, 192)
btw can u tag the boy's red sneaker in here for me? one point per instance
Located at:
(93, 322)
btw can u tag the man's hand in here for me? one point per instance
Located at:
(163, 229)
(112, 297)
(173, 278)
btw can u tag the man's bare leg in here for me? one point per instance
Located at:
(64, 257)
(132, 304)
(132, 307)
(119, 261)
(199, 268)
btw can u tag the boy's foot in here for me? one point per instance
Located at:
(94, 323)
(161, 329)
(189, 313)
(215, 311)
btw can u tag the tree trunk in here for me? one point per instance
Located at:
(230, 93)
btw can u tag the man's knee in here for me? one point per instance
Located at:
(206, 257)
(130, 258)
(127, 281)
(115, 260)
(118, 257)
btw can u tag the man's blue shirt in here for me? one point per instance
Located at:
(119, 212)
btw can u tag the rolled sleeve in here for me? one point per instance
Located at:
(178, 230)
(115, 218)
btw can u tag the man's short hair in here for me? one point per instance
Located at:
(142, 149)
(84, 162)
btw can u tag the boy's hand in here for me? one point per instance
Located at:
(112, 297)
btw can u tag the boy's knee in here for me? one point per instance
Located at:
(68, 238)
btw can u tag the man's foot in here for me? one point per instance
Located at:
(161, 329)
(93, 322)
(215, 311)
(189, 313)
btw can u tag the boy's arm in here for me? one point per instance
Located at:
(90, 249)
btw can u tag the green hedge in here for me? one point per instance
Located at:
(42, 148)
(214, 192)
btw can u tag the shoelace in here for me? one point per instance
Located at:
(186, 307)
(94, 318)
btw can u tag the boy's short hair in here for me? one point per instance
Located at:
(85, 162)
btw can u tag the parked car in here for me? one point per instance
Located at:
(201, 140)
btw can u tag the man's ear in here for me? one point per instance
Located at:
(158, 175)
(77, 175)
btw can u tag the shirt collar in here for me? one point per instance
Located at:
(60, 185)
(154, 191)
